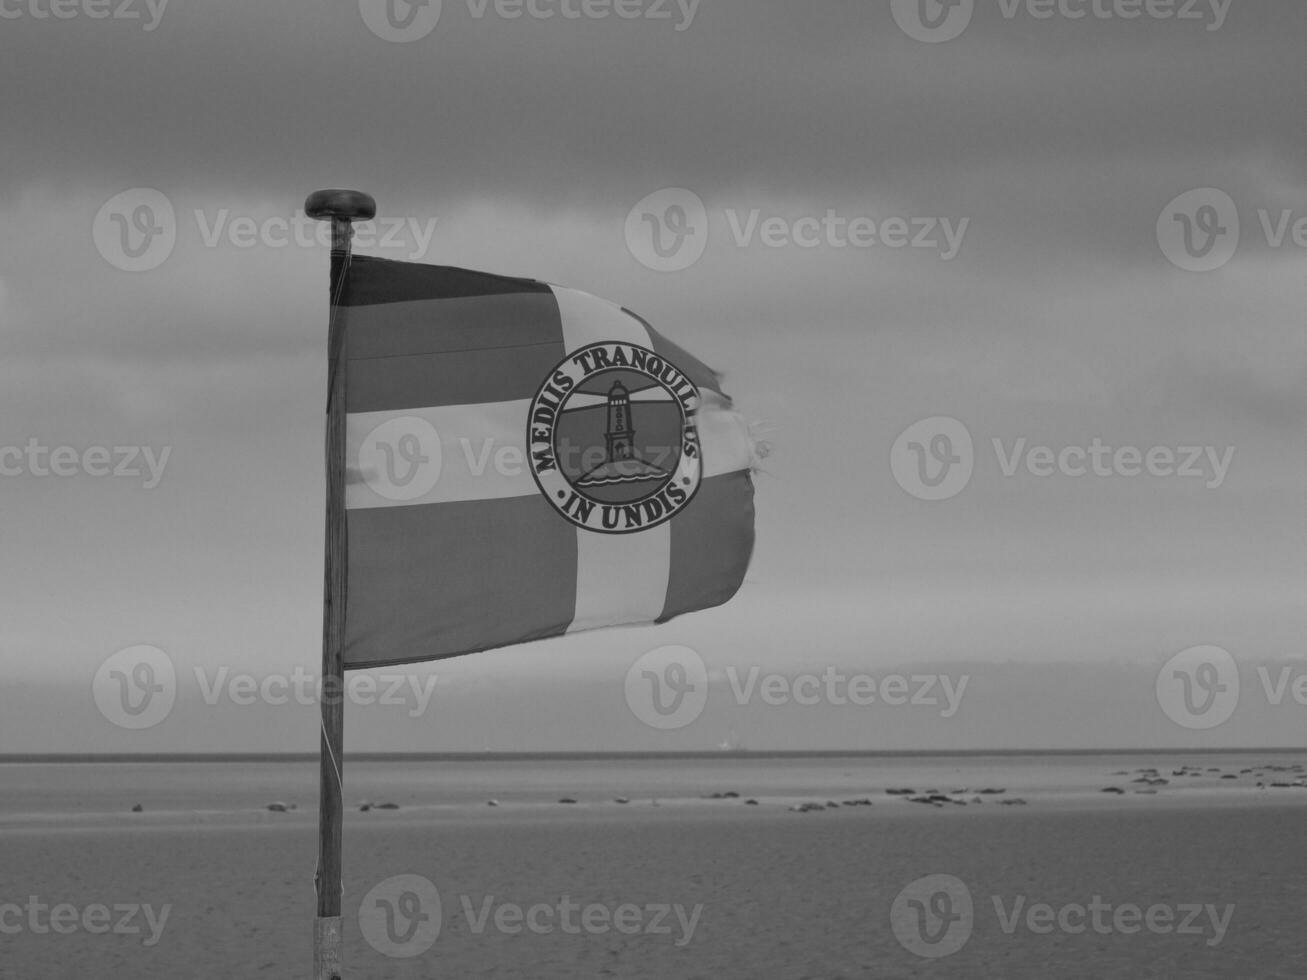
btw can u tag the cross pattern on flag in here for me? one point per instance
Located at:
(523, 461)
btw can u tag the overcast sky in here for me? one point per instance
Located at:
(1033, 161)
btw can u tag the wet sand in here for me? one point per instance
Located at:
(782, 894)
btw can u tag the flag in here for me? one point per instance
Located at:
(523, 461)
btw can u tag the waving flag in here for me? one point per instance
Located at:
(525, 461)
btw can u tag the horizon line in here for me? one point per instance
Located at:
(512, 756)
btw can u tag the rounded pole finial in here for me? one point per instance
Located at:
(344, 204)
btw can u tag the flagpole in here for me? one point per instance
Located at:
(340, 207)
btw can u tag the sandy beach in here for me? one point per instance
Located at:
(710, 888)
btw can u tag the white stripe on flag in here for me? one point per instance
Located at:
(724, 436)
(620, 578)
(475, 466)
(590, 320)
(480, 454)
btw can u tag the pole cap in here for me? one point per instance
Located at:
(350, 205)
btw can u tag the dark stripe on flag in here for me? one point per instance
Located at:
(444, 325)
(388, 384)
(373, 281)
(701, 374)
(440, 580)
(712, 540)
(451, 351)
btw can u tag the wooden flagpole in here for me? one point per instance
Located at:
(340, 207)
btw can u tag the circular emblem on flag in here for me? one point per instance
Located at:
(613, 438)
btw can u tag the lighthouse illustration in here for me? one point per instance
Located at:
(623, 464)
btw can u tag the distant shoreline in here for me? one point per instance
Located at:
(736, 755)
